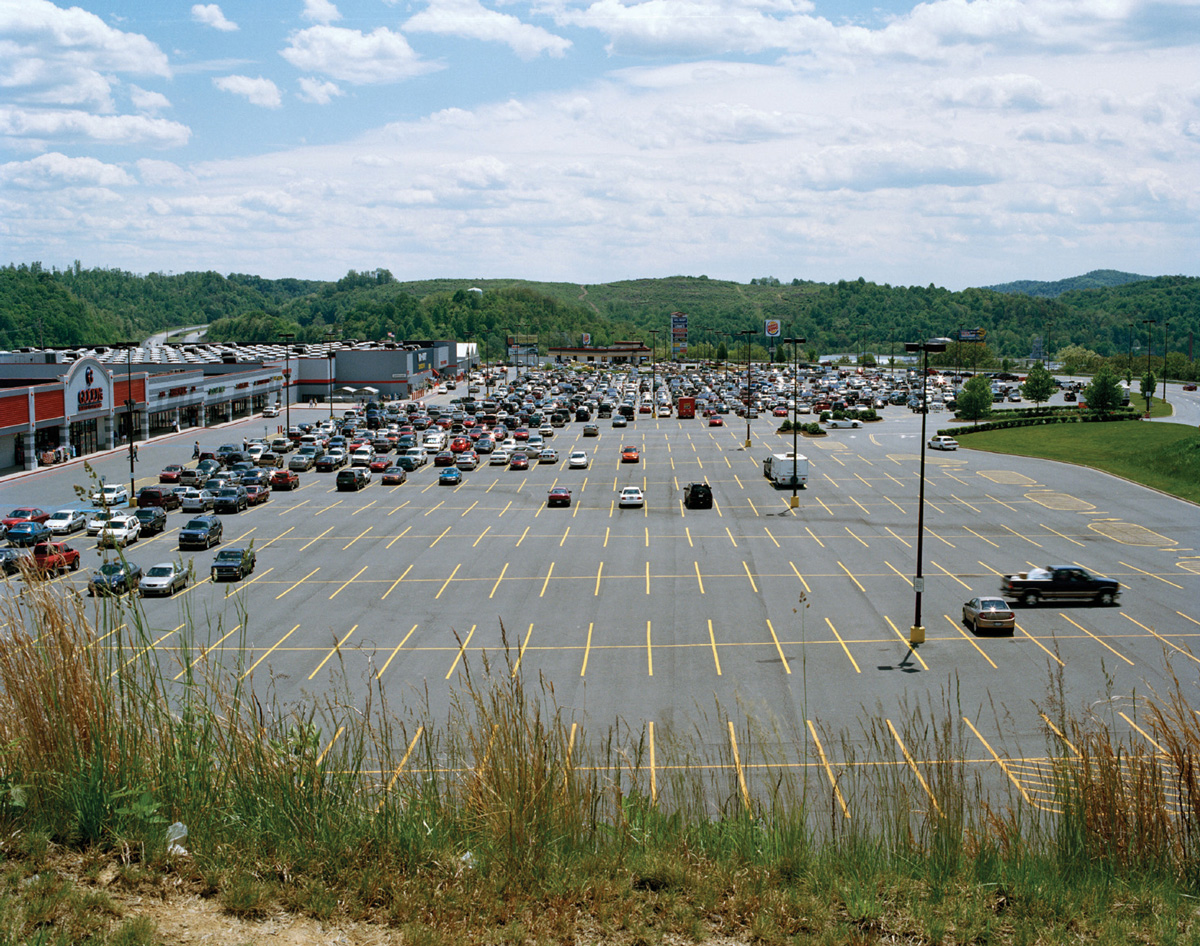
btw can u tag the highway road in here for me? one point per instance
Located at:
(785, 622)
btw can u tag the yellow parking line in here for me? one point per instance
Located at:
(587, 649)
(896, 504)
(205, 651)
(461, 650)
(395, 775)
(522, 539)
(771, 537)
(1018, 534)
(814, 536)
(807, 590)
(481, 535)
(1185, 653)
(752, 506)
(321, 536)
(393, 586)
(852, 578)
(364, 508)
(649, 652)
(753, 586)
(778, 647)
(1152, 575)
(913, 765)
(446, 583)
(823, 506)
(549, 572)
(401, 506)
(293, 508)
(894, 536)
(948, 575)
(399, 537)
(1145, 735)
(731, 538)
(599, 572)
(1059, 534)
(860, 505)
(436, 508)
(1002, 503)
(498, 580)
(470, 507)
(853, 662)
(521, 650)
(440, 537)
(964, 502)
(978, 536)
(898, 572)
(828, 769)
(1000, 762)
(911, 649)
(1096, 639)
(327, 508)
(268, 653)
(847, 528)
(278, 537)
(299, 583)
(958, 627)
(356, 538)
(1049, 653)
(647, 578)
(348, 583)
(737, 761)
(333, 650)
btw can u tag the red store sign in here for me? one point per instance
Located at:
(91, 398)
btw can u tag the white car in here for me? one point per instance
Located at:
(66, 521)
(943, 442)
(362, 456)
(618, 420)
(98, 520)
(163, 579)
(120, 531)
(110, 495)
(197, 500)
(499, 458)
(631, 496)
(548, 455)
(267, 412)
(578, 460)
(846, 422)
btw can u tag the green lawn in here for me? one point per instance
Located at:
(1164, 456)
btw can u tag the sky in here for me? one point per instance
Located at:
(948, 142)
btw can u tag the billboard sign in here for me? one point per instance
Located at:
(522, 349)
(679, 328)
(587, 339)
(972, 334)
(773, 328)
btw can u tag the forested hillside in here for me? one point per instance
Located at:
(1096, 279)
(79, 306)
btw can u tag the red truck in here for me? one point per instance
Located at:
(685, 407)
(55, 558)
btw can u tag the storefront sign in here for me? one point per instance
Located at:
(91, 399)
(88, 387)
(216, 390)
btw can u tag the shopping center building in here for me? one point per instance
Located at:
(60, 403)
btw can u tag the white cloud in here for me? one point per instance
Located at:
(155, 173)
(320, 11)
(472, 20)
(210, 15)
(56, 170)
(257, 91)
(355, 57)
(146, 101)
(1016, 92)
(319, 92)
(68, 125)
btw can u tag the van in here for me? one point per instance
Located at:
(786, 469)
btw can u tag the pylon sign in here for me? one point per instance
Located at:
(774, 328)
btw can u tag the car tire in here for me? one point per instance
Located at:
(1106, 599)
(1031, 599)
(74, 566)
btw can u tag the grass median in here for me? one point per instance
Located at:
(507, 823)
(1160, 455)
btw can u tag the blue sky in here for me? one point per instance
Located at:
(958, 142)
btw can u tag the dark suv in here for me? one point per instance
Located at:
(352, 480)
(202, 532)
(698, 496)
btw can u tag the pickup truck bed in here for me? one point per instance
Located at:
(1062, 583)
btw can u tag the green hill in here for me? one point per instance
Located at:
(1096, 279)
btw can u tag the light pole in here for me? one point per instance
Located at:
(917, 631)
(747, 333)
(794, 341)
(129, 404)
(1148, 323)
(1166, 322)
(1129, 360)
(287, 377)
(329, 354)
(654, 372)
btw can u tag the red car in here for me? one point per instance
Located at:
(559, 496)
(394, 476)
(1190, 386)
(459, 444)
(55, 558)
(170, 474)
(629, 455)
(521, 434)
(24, 514)
(519, 461)
(715, 421)
(379, 464)
(257, 494)
(445, 458)
(284, 479)
(780, 412)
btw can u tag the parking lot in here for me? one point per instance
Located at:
(798, 618)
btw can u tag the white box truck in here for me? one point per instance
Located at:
(786, 469)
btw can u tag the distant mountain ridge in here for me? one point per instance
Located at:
(1096, 279)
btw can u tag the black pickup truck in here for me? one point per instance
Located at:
(1059, 582)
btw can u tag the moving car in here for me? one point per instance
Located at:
(991, 614)
(450, 476)
(715, 421)
(163, 579)
(115, 578)
(25, 514)
(170, 473)
(631, 496)
(25, 534)
(1058, 582)
(202, 532)
(233, 564)
(119, 532)
(12, 559)
(66, 521)
(558, 496)
(231, 499)
(110, 495)
(257, 494)
(698, 496)
(942, 442)
(284, 479)
(578, 460)
(152, 520)
(499, 458)
(519, 461)
(548, 455)
(467, 461)
(591, 430)
(846, 422)
(619, 420)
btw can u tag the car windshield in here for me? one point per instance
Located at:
(197, 524)
(232, 555)
(160, 571)
(112, 568)
(62, 515)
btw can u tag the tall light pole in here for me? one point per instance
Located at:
(129, 405)
(654, 372)
(917, 631)
(1148, 323)
(794, 341)
(1166, 322)
(329, 354)
(747, 333)
(1129, 359)
(287, 377)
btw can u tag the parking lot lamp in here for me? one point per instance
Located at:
(794, 341)
(329, 353)
(747, 333)
(129, 405)
(287, 375)
(1166, 322)
(917, 631)
(1148, 323)
(1129, 359)
(654, 372)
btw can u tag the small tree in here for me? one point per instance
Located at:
(975, 399)
(1149, 382)
(1038, 386)
(1104, 393)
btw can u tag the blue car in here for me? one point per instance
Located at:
(450, 476)
(25, 534)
